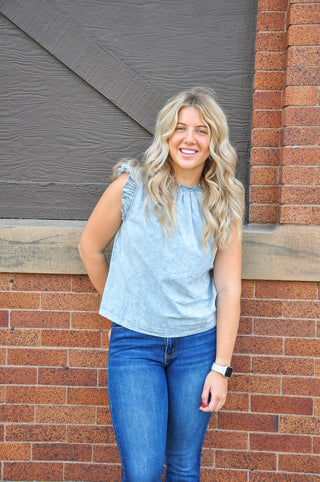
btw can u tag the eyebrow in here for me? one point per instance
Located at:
(183, 124)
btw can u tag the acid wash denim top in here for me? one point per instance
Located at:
(158, 285)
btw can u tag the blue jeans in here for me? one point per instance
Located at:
(155, 387)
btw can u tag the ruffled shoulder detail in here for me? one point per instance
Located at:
(128, 190)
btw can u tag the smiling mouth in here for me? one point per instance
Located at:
(188, 151)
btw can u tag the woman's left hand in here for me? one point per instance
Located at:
(215, 385)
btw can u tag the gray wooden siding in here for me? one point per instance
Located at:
(66, 119)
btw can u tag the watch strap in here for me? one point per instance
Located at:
(226, 371)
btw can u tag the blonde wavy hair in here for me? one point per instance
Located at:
(223, 195)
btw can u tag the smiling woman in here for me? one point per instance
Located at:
(174, 322)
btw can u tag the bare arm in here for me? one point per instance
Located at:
(227, 278)
(100, 229)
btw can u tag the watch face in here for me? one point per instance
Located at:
(228, 372)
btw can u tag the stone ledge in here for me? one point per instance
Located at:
(269, 252)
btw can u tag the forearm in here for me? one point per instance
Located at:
(228, 313)
(97, 268)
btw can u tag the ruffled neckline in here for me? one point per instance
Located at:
(183, 187)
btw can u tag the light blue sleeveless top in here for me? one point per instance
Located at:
(158, 285)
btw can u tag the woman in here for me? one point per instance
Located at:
(172, 290)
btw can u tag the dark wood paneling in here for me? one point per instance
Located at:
(59, 130)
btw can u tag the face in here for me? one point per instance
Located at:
(189, 146)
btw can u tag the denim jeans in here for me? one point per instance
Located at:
(155, 387)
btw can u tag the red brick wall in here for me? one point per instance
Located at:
(55, 423)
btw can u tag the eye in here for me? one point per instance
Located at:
(179, 128)
(201, 131)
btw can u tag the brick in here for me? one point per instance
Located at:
(269, 61)
(261, 156)
(39, 319)
(92, 472)
(301, 309)
(90, 435)
(303, 14)
(316, 445)
(37, 357)
(62, 451)
(273, 5)
(300, 463)
(247, 421)
(306, 76)
(67, 376)
(4, 318)
(299, 136)
(280, 443)
(286, 290)
(265, 137)
(284, 327)
(82, 284)
(12, 300)
(293, 214)
(267, 99)
(307, 156)
(271, 41)
(245, 326)
(102, 378)
(283, 366)
(33, 471)
(101, 453)
(89, 321)
(245, 460)
(299, 194)
(248, 288)
(226, 440)
(270, 21)
(264, 194)
(208, 475)
(302, 347)
(40, 282)
(268, 80)
(296, 175)
(18, 376)
(317, 175)
(14, 451)
(299, 425)
(72, 338)
(16, 413)
(255, 384)
(267, 118)
(301, 96)
(301, 116)
(35, 433)
(281, 404)
(264, 308)
(87, 396)
(303, 35)
(70, 301)
(104, 416)
(19, 337)
(64, 414)
(1, 433)
(2, 394)
(2, 356)
(263, 213)
(277, 477)
(259, 344)
(303, 56)
(5, 281)
(237, 402)
(301, 386)
(36, 395)
(263, 175)
(88, 358)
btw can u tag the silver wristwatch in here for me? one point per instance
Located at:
(226, 371)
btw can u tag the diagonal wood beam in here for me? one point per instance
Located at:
(68, 42)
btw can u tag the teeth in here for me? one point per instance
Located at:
(187, 151)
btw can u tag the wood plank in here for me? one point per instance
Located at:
(67, 41)
(289, 253)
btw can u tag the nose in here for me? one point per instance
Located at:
(189, 136)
